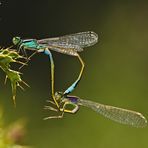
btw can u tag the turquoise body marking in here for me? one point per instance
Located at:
(71, 88)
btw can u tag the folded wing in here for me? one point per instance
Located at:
(120, 115)
(70, 44)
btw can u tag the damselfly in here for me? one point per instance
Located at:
(68, 44)
(71, 104)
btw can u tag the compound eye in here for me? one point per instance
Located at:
(16, 40)
(58, 95)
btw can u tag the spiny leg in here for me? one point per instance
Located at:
(50, 107)
(59, 116)
(28, 58)
(72, 87)
(64, 110)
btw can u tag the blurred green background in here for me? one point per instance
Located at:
(115, 73)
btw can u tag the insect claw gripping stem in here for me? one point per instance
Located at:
(28, 58)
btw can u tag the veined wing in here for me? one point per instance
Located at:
(75, 41)
(120, 115)
(68, 51)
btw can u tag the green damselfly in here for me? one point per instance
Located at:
(68, 44)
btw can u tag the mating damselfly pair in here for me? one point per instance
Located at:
(71, 45)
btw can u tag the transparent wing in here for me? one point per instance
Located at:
(75, 42)
(120, 115)
(68, 51)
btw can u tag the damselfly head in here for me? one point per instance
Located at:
(16, 40)
(59, 96)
